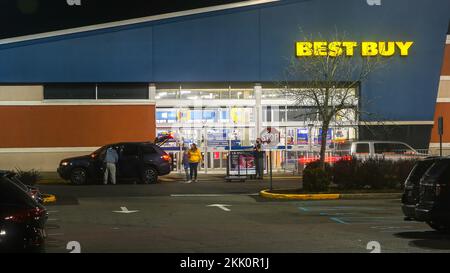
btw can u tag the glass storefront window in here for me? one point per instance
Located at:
(279, 114)
(225, 94)
(234, 115)
(240, 115)
(203, 94)
(224, 115)
(295, 113)
(346, 116)
(189, 95)
(166, 115)
(242, 94)
(272, 94)
(275, 113)
(167, 94)
(267, 113)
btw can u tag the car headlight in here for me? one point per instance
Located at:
(2, 232)
(65, 163)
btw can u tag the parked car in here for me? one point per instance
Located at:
(433, 206)
(410, 196)
(22, 219)
(394, 150)
(144, 161)
(32, 191)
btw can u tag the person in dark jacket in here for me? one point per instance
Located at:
(258, 153)
(185, 162)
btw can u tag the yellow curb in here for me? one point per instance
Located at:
(49, 198)
(320, 196)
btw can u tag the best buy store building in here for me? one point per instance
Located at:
(209, 76)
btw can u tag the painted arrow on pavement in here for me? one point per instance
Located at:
(220, 206)
(125, 210)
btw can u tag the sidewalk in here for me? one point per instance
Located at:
(53, 178)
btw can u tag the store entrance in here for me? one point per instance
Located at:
(216, 143)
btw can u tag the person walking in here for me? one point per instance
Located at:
(195, 157)
(185, 162)
(111, 160)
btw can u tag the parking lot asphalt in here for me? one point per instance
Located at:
(215, 217)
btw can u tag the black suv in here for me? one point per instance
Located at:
(137, 160)
(433, 205)
(410, 196)
(22, 219)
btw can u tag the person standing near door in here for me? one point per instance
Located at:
(195, 157)
(111, 160)
(259, 159)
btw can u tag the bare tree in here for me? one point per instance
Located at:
(330, 85)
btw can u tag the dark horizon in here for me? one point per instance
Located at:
(25, 17)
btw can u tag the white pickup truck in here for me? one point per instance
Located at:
(379, 149)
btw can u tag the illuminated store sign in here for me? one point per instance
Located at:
(368, 49)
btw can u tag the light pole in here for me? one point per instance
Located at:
(310, 138)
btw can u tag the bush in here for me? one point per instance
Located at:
(344, 173)
(316, 180)
(403, 168)
(30, 177)
(373, 173)
(355, 174)
(316, 165)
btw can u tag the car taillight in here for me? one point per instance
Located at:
(166, 157)
(25, 215)
(328, 159)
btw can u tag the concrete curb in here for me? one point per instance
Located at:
(329, 196)
(49, 198)
(371, 195)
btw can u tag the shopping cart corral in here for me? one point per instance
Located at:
(241, 166)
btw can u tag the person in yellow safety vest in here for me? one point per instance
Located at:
(195, 157)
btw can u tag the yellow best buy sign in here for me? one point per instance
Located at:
(368, 49)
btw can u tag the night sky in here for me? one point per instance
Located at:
(23, 17)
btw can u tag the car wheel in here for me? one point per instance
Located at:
(78, 176)
(439, 226)
(149, 176)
